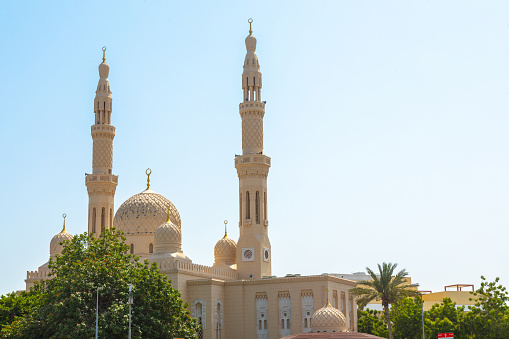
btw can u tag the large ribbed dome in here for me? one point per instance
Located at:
(54, 246)
(328, 319)
(144, 212)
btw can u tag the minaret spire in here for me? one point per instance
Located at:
(101, 184)
(253, 248)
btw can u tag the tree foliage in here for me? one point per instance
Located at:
(406, 317)
(490, 314)
(387, 287)
(488, 318)
(66, 303)
(371, 322)
(14, 305)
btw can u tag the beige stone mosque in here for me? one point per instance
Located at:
(237, 297)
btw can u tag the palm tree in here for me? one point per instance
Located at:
(385, 287)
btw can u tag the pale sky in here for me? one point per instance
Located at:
(386, 122)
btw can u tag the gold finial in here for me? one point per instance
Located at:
(104, 53)
(63, 229)
(225, 234)
(250, 21)
(168, 213)
(148, 172)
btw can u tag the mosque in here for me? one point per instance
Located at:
(237, 297)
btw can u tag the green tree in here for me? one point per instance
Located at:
(15, 305)
(66, 304)
(370, 322)
(406, 317)
(489, 317)
(385, 287)
(444, 317)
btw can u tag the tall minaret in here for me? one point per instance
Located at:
(101, 184)
(253, 248)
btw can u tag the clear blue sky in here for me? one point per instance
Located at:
(387, 123)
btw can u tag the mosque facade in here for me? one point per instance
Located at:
(237, 297)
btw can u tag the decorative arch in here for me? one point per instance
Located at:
(218, 318)
(203, 311)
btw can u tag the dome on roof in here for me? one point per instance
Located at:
(328, 319)
(168, 238)
(104, 70)
(55, 247)
(144, 212)
(250, 43)
(225, 251)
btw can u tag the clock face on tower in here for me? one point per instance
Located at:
(248, 254)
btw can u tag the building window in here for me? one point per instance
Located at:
(248, 209)
(102, 219)
(94, 218)
(219, 318)
(111, 217)
(132, 248)
(151, 248)
(265, 205)
(198, 311)
(257, 207)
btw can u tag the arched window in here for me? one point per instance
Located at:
(102, 219)
(151, 248)
(260, 324)
(199, 314)
(265, 324)
(305, 322)
(287, 323)
(111, 217)
(257, 207)
(282, 323)
(248, 207)
(132, 248)
(265, 205)
(240, 207)
(94, 218)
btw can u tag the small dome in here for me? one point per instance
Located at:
(225, 251)
(168, 238)
(144, 212)
(104, 70)
(55, 247)
(328, 319)
(251, 43)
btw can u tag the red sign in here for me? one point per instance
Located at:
(446, 335)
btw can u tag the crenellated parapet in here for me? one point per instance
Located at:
(202, 271)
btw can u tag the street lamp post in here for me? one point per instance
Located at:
(130, 304)
(97, 313)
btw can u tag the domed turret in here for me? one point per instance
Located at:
(168, 238)
(104, 68)
(225, 251)
(168, 243)
(55, 246)
(328, 319)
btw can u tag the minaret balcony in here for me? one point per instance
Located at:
(251, 105)
(102, 178)
(252, 159)
(103, 128)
